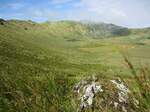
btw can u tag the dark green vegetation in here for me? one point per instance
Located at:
(39, 63)
(102, 30)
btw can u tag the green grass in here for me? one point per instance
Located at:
(39, 63)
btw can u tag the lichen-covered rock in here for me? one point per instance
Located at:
(123, 96)
(87, 90)
(104, 95)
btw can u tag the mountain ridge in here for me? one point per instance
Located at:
(90, 29)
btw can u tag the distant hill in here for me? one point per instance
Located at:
(102, 30)
(72, 28)
(93, 30)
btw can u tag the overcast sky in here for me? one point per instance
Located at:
(129, 13)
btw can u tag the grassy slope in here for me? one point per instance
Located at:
(44, 60)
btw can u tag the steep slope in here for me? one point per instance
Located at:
(37, 66)
(102, 30)
(89, 29)
(40, 62)
(31, 70)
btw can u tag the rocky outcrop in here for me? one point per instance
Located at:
(93, 94)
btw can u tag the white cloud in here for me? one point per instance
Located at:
(60, 1)
(118, 13)
(15, 6)
(131, 13)
(98, 10)
(41, 14)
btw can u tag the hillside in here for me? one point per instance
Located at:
(40, 62)
(102, 30)
(93, 30)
